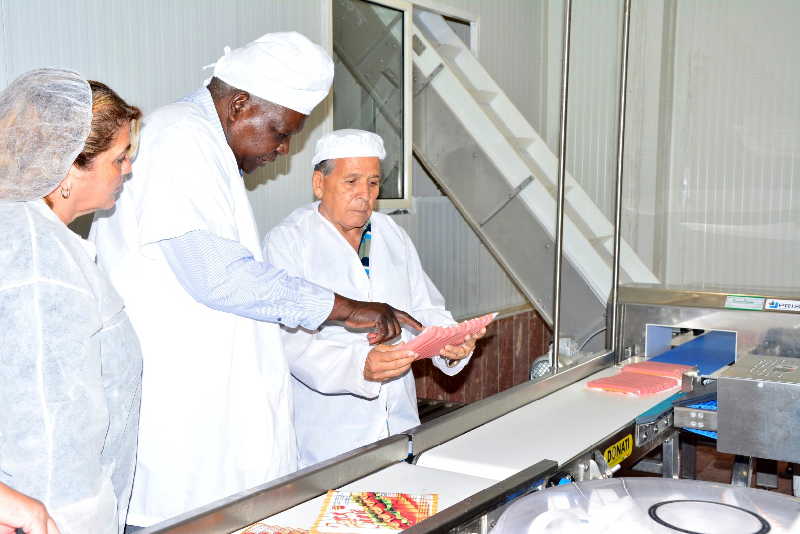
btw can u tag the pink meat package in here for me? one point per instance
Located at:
(434, 338)
(642, 379)
(636, 384)
(672, 370)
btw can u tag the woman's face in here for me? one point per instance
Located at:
(96, 187)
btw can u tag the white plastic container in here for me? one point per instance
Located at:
(651, 506)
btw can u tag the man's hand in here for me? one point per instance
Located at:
(381, 318)
(384, 362)
(20, 511)
(459, 352)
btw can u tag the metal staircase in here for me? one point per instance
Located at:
(501, 176)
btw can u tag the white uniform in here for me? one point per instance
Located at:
(70, 368)
(216, 401)
(336, 408)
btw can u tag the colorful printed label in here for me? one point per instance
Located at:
(371, 512)
(782, 305)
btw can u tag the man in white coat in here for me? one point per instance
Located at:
(183, 250)
(346, 393)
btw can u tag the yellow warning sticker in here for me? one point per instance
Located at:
(619, 451)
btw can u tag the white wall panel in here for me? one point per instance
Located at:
(152, 52)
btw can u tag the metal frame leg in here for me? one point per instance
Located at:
(796, 479)
(689, 456)
(671, 457)
(742, 471)
(485, 524)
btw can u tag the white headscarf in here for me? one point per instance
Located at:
(349, 143)
(284, 68)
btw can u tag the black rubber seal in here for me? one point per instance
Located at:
(653, 511)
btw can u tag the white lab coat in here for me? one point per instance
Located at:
(336, 408)
(70, 369)
(216, 401)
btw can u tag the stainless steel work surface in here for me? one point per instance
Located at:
(557, 427)
(401, 477)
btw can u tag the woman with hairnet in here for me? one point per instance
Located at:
(70, 363)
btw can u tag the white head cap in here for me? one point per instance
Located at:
(285, 68)
(45, 118)
(349, 144)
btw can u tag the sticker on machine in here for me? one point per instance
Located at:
(744, 302)
(782, 305)
(619, 451)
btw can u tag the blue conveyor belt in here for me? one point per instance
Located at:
(708, 352)
(707, 405)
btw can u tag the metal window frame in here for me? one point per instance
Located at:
(390, 204)
(456, 13)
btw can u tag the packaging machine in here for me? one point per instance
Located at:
(553, 431)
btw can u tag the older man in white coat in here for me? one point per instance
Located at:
(183, 249)
(346, 393)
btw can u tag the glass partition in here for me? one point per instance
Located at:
(717, 206)
(590, 147)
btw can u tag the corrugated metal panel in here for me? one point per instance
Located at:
(461, 267)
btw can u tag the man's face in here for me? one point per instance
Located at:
(349, 193)
(260, 131)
